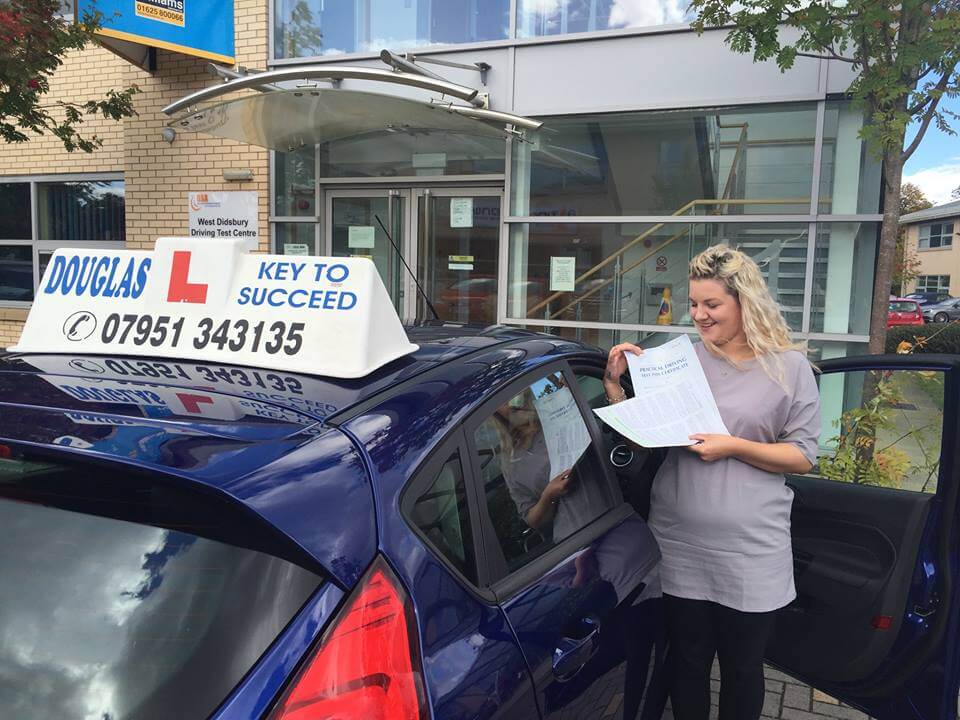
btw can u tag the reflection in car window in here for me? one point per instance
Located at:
(882, 428)
(116, 605)
(442, 515)
(541, 481)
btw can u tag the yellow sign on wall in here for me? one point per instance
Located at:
(168, 11)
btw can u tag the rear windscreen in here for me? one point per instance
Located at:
(124, 598)
(901, 306)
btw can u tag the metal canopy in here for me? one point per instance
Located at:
(285, 119)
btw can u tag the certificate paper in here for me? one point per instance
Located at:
(672, 399)
(563, 429)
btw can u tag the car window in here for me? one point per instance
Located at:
(903, 306)
(541, 478)
(592, 390)
(882, 428)
(128, 599)
(442, 515)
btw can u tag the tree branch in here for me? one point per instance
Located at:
(928, 116)
(831, 56)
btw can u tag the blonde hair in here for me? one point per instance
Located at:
(763, 324)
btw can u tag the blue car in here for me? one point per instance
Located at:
(190, 540)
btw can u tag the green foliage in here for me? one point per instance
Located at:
(861, 457)
(33, 43)
(904, 52)
(931, 338)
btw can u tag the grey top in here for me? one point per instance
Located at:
(724, 527)
(527, 472)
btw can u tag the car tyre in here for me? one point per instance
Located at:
(941, 317)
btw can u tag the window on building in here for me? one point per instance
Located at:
(933, 283)
(936, 235)
(39, 215)
(536, 18)
(308, 28)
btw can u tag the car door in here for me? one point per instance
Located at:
(874, 531)
(575, 573)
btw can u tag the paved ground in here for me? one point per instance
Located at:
(788, 699)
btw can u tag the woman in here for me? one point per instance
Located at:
(720, 508)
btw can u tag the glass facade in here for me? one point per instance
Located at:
(740, 176)
(537, 18)
(310, 28)
(689, 162)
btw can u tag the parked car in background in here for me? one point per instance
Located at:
(942, 312)
(902, 311)
(928, 298)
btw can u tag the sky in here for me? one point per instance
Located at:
(935, 166)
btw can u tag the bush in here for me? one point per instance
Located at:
(947, 338)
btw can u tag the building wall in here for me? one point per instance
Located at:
(935, 261)
(85, 74)
(159, 174)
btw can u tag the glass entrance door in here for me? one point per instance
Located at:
(357, 224)
(458, 242)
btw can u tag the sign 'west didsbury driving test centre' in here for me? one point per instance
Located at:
(206, 299)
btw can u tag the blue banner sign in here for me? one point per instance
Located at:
(203, 28)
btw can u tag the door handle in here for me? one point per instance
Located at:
(571, 654)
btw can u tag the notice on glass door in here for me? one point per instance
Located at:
(361, 236)
(460, 262)
(563, 274)
(461, 212)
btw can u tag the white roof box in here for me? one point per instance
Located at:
(209, 300)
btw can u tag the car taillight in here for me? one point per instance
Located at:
(366, 664)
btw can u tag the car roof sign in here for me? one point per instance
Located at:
(208, 299)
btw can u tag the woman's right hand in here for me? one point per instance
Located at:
(617, 363)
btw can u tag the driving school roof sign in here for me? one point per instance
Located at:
(203, 28)
(208, 300)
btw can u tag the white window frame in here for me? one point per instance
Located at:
(40, 245)
(944, 236)
(941, 283)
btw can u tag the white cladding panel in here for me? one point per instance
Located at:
(670, 70)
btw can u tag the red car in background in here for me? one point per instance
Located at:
(904, 312)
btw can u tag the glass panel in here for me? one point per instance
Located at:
(15, 211)
(849, 174)
(540, 482)
(690, 161)
(882, 428)
(428, 153)
(536, 18)
(459, 242)
(296, 238)
(356, 233)
(16, 272)
(333, 27)
(443, 516)
(843, 277)
(89, 210)
(124, 599)
(646, 284)
(295, 177)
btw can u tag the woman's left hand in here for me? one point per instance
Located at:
(711, 447)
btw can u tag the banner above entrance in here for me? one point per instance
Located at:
(202, 28)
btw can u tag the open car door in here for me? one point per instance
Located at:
(875, 541)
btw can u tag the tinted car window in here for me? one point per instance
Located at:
(442, 515)
(904, 306)
(525, 448)
(117, 604)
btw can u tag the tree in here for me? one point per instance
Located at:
(912, 199)
(956, 193)
(906, 263)
(905, 54)
(33, 44)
